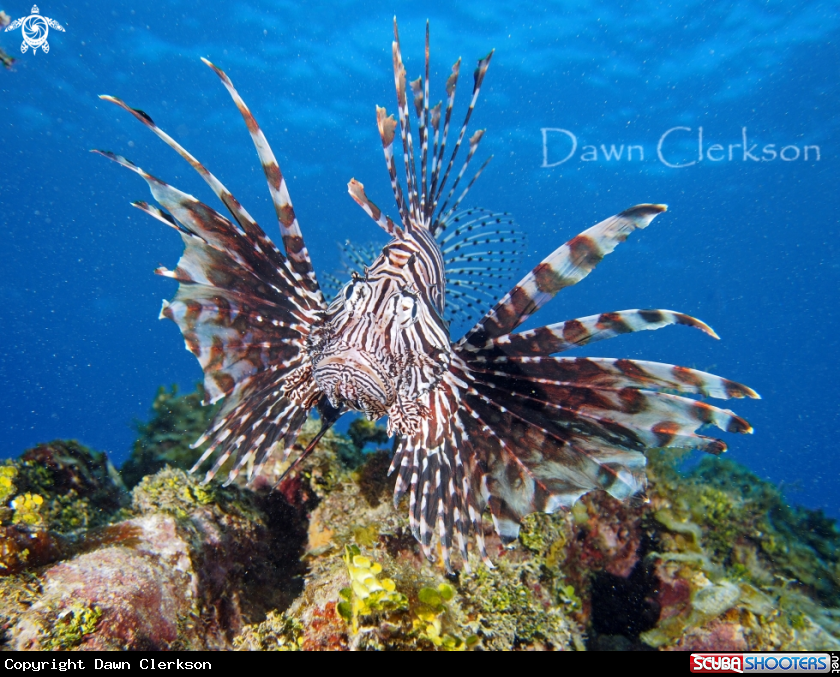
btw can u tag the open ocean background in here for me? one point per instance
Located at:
(750, 247)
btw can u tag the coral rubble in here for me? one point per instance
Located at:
(712, 558)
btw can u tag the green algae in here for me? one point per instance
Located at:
(363, 432)
(368, 593)
(79, 486)
(174, 492)
(508, 614)
(430, 612)
(8, 474)
(278, 632)
(27, 510)
(758, 569)
(171, 491)
(70, 627)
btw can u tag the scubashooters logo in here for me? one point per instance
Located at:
(794, 663)
(35, 29)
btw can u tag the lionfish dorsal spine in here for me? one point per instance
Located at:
(417, 206)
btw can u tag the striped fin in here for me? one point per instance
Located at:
(213, 245)
(451, 86)
(475, 140)
(434, 123)
(531, 470)
(357, 192)
(424, 130)
(262, 422)
(405, 128)
(425, 189)
(556, 338)
(289, 229)
(478, 77)
(443, 476)
(604, 372)
(387, 131)
(567, 266)
(616, 431)
(521, 435)
(249, 226)
(481, 252)
(245, 313)
(420, 92)
(632, 409)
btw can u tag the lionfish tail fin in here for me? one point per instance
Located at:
(565, 267)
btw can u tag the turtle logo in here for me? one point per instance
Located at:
(35, 30)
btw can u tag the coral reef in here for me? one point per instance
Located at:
(737, 568)
(194, 565)
(712, 558)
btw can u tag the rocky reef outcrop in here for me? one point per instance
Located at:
(711, 558)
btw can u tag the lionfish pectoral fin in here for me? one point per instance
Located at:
(562, 336)
(243, 308)
(524, 432)
(565, 267)
(548, 430)
(293, 243)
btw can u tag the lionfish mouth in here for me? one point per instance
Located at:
(355, 379)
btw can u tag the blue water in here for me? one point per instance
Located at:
(749, 246)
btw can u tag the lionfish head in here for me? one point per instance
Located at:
(383, 343)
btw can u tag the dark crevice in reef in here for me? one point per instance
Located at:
(287, 527)
(624, 608)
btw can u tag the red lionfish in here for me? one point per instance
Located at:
(491, 420)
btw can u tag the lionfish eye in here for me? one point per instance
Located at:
(406, 309)
(355, 293)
